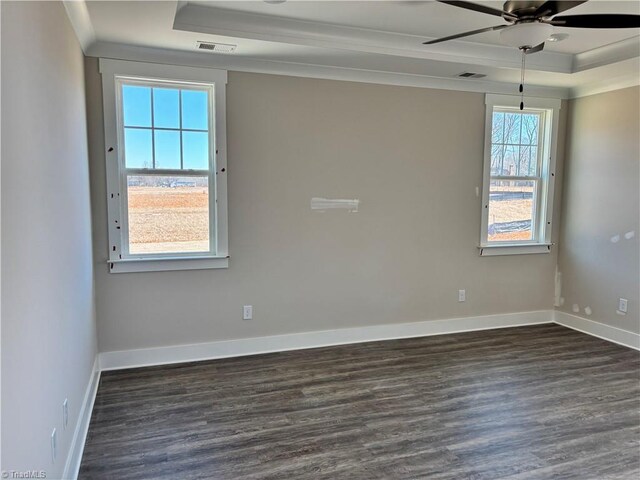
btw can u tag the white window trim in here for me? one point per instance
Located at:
(546, 189)
(109, 70)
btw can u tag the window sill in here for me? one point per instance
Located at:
(533, 248)
(167, 264)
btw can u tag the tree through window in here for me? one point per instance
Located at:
(516, 187)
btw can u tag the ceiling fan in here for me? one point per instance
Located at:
(530, 23)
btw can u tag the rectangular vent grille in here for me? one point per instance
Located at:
(471, 75)
(216, 47)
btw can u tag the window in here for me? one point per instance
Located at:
(518, 175)
(166, 166)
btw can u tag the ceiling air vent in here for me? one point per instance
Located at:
(216, 47)
(471, 75)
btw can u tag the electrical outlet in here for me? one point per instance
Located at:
(247, 312)
(65, 413)
(462, 295)
(622, 305)
(54, 446)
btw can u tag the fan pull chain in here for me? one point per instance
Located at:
(524, 56)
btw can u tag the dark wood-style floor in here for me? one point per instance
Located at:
(536, 402)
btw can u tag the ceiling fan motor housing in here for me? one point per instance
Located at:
(521, 8)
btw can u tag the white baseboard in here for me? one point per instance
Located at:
(72, 465)
(597, 329)
(297, 341)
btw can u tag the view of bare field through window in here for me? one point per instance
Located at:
(168, 214)
(511, 206)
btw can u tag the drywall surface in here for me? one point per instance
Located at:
(48, 314)
(601, 208)
(412, 157)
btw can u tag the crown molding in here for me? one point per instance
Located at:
(329, 72)
(231, 23)
(606, 85)
(608, 54)
(78, 14)
(607, 68)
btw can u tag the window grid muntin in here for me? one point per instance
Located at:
(541, 122)
(153, 134)
(152, 84)
(537, 178)
(180, 125)
(126, 172)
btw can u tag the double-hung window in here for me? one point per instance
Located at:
(519, 175)
(166, 166)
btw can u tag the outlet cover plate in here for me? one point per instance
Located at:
(622, 305)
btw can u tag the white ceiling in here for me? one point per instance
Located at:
(352, 37)
(432, 19)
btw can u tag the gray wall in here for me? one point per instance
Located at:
(412, 156)
(601, 200)
(48, 319)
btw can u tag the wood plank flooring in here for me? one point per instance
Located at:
(539, 402)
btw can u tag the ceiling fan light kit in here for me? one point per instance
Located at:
(526, 34)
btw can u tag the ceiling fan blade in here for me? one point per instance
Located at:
(537, 48)
(547, 9)
(603, 20)
(465, 34)
(479, 8)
